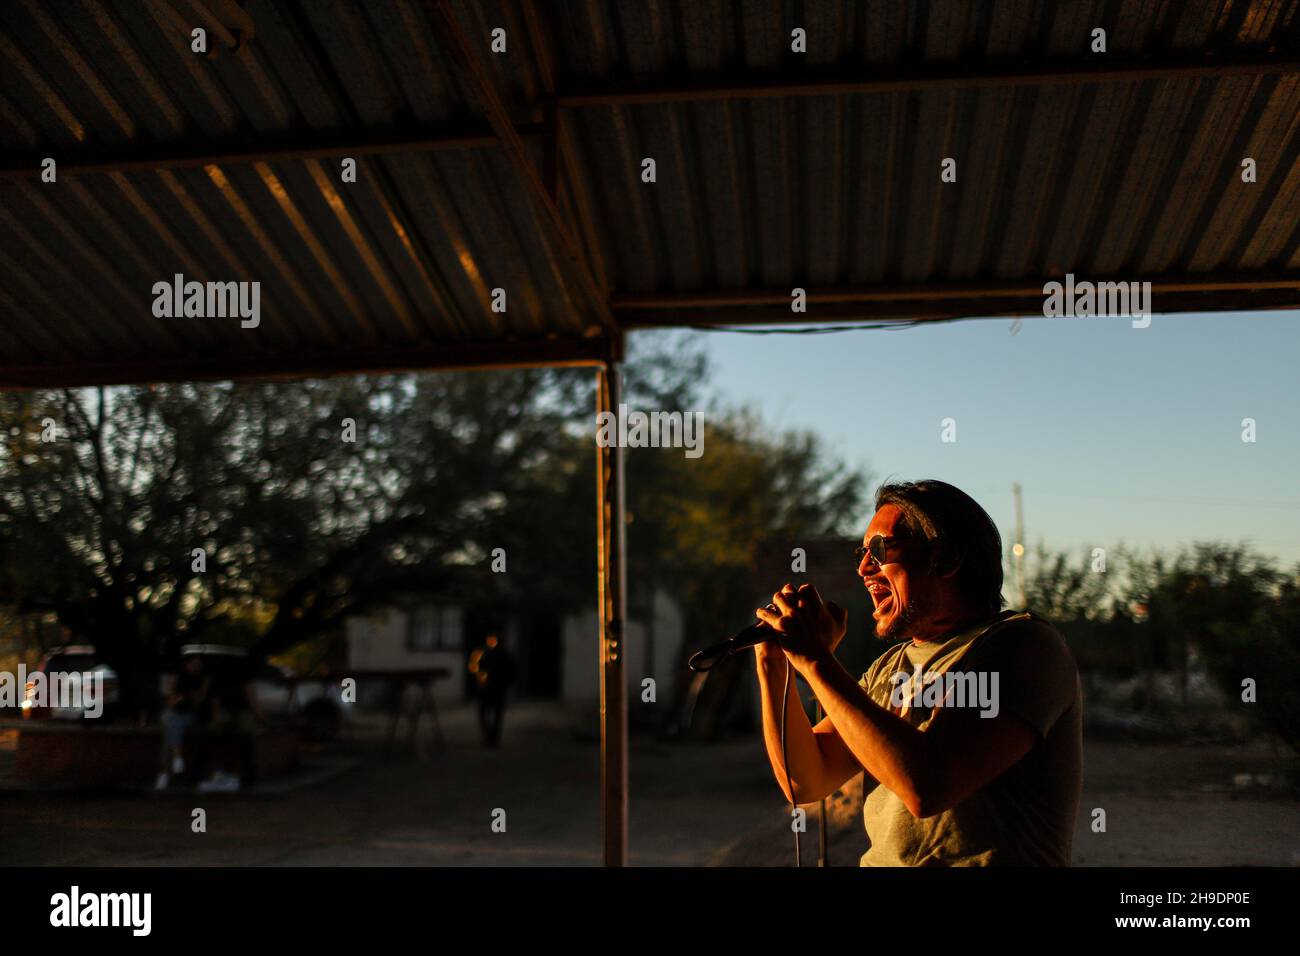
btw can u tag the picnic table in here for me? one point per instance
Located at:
(398, 681)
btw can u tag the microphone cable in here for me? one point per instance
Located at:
(785, 764)
(701, 663)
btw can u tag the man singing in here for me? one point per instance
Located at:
(950, 778)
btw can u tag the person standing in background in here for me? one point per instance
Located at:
(494, 671)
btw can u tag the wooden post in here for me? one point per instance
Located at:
(611, 562)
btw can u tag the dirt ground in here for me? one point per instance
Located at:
(691, 804)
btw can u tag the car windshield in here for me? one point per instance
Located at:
(71, 662)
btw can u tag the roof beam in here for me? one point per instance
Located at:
(459, 47)
(261, 366)
(942, 300)
(932, 76)
(561, 158)
(944, 290)
(891, 312)
(137, 157)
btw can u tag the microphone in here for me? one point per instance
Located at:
(756, 633)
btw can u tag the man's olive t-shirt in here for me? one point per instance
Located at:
(1026, 816)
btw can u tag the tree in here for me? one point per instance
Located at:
(265, 514)
(1149, 613)
(695, 523)
(162, 516)
(1266, 650)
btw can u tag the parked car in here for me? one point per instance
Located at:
(315, 707)
(74, 661)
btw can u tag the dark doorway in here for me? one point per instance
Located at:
(535, 645)
(540, 655)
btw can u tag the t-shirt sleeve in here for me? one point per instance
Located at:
(1037, 677)
(870, 681)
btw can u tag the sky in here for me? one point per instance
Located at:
(1116, 434)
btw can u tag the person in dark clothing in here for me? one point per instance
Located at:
(187, 697)
(494, 671)
(232, 713)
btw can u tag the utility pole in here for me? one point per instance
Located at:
(1018, 548)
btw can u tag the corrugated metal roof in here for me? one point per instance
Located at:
(406, 255)
(1136, 178)
(774, 169)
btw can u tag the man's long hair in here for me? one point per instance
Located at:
(959, 534)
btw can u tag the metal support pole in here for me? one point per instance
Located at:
(823, 858)
(611, 559)
(1018, 548)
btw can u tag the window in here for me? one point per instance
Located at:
(425, 630)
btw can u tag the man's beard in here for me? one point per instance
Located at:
(899, 626)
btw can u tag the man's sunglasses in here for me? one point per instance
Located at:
(877, 546)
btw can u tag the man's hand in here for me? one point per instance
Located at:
(810, 630)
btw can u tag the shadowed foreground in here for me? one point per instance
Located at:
(691, 805)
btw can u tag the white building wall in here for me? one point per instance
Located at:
(377, 641)
(581, 666)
